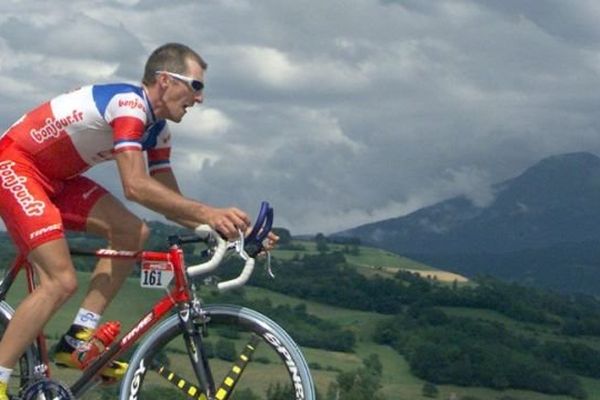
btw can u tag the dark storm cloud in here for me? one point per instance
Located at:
(338, 112)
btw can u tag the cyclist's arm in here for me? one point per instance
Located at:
(167, 178)
(140, 187)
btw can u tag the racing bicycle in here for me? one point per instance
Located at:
(175, 356)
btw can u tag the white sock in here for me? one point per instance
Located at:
(5, 374)
(87, 318)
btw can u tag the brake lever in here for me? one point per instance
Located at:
(268, 266)
(239, 247)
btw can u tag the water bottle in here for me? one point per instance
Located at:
(100, 340)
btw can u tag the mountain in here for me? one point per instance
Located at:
(542, 227)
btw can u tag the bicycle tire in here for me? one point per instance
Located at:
(23, 373)
(160, 347)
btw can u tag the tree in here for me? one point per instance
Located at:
(225, 350)
(359, 384)
(285, 237)
(430, 390)
(321, 240)
(373, 364)
(280, 392)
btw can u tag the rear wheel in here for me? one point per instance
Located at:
(250, 356)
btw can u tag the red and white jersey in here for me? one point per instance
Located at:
(74, 131)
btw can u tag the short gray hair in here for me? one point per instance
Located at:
(170, 57)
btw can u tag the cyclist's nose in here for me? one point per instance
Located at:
(199, 97)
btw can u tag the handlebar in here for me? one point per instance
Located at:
(205, 232)
(247, 248)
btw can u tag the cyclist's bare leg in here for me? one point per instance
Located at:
(124, 231)
(57, 282)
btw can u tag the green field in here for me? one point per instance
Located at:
(398, 382)
(371, 261)
(368, 256)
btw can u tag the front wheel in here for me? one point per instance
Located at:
(246, 355)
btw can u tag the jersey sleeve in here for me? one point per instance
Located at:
(126, 114)
(159, 155)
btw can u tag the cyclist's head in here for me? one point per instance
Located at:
(172, 57)
(174, 75)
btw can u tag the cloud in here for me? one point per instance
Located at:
(577, 24)
(338, 113)
(470, 183)
(205, 121)
(276, 75)
(60, 50)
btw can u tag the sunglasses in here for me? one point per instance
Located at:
(195, 84)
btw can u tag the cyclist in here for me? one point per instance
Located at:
(43, 191)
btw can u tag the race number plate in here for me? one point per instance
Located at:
(156, 274)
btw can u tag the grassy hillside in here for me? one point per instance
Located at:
(370, 260)
(397, 382)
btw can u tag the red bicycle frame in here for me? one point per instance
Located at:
(178, 294)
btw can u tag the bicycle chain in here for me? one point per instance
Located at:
(49, 388)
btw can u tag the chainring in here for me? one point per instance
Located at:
(46, 389)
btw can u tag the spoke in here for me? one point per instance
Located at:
(238, 367)
(180, 383)
(228, 384)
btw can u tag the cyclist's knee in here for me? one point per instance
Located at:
(60, 287)
(68, 285)
(144, 234)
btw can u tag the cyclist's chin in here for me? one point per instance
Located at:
(177, 115)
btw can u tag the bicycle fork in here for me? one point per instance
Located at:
(194, 328)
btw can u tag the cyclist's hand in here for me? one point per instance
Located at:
(270, 242)
(227, 221)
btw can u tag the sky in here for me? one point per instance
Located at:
(338, 112)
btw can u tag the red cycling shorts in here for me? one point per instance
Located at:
(37, 209)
